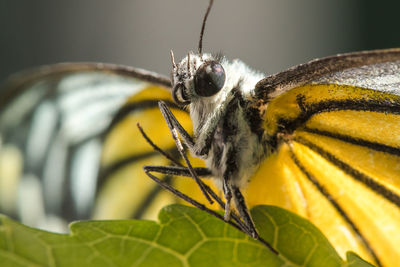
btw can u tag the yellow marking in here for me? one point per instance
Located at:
(384, 168)
(371, 126)
(151, 93)
(286, 106)
(377, 218)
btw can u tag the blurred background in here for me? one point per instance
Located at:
(268, 35)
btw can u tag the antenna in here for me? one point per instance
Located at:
(203, 26)
(173, 60)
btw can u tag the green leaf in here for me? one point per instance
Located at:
(353, 260)
(184, 236)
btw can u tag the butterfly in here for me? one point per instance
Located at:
(320, 139)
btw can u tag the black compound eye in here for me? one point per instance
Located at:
(209, 79)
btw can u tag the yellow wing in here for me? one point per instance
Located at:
(337, 161)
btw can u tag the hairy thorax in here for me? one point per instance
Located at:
(234, 147)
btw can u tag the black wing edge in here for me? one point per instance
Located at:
(21, 80)
(274, 85)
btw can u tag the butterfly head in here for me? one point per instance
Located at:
(196, 77)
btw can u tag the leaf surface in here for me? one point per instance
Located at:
(184, 236)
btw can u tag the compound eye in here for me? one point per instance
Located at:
(209, 79)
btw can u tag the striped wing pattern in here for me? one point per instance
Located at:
(53, 122)
(338, 157)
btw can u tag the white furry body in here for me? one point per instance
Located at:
(211, 115)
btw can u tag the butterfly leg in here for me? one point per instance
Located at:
(177, 170)
(175, 127)
(244, 211)
(205, 146)
(184, 171)
(174, 170)
(228, 197)
(233, 192)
